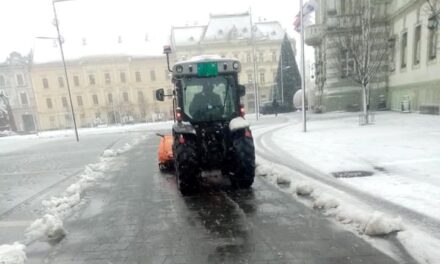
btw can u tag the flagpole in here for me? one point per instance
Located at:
(303, 80)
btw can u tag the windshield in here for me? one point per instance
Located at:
(209, 99)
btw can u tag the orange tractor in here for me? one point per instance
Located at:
(165, 152)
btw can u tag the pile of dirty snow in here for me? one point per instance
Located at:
(12, 254)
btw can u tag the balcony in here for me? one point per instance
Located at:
(313, 35)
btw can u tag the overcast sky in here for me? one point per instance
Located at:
(23, 20)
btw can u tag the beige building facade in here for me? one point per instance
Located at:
(414, 78)
(230, 36)
(104, 89)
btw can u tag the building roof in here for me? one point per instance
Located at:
(225, 28)
(190, 35)
(47, 50)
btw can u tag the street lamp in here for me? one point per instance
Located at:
(60, 42)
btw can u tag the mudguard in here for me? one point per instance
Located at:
(183, 128)
(238, 123)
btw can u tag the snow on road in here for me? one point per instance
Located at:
(26, 152)
(401, 151)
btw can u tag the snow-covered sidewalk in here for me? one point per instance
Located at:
(395, 161)
(401, 150)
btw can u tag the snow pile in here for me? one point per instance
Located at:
(325, 202)
(12, 254)
(50, 227)
(124, 148)
(283, 180)
(238, 123)
(379, 224)
(109, 153)
(303, 188)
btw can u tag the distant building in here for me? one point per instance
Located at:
(105, 90)
(408, 81)
(229, 35)
(15, 83)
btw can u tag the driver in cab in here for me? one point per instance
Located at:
(206, 102)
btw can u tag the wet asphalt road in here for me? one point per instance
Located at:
(138, 216)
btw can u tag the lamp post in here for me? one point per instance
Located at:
(64, 64)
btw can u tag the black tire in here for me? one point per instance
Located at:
(186, 167)
(244, 159)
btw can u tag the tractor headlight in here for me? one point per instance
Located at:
(179, 68)
(235, 65)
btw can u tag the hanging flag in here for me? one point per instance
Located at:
(308, 9)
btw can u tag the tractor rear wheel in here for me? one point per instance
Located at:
(186, 167)
(244, 160)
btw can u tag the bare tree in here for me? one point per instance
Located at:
(362, 42)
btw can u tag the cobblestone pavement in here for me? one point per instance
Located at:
(138, 216)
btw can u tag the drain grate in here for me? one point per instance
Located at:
(352, 174)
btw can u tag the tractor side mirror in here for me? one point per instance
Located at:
(160, 94)
(241, 90)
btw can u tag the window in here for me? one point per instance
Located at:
(20, 81)
(141, 98)
(45, 83)
(122, 77)
(153, 75)
(110, 98)
(107, 78)
(61, 82)
(64, 102)
(262, 77)
(138, 76)
(347, 63)
(250, 79)
(125, 96)
(92, 79)
(342, 7)
(76, 81)
(432, 44)
(79, 100)
(261, 56)
(95, 99)
(23, 98)
(417, 36)
(274, 56)
(403, 49)
(2, 81)
(49, 103)
(392, 55)
(248, 57)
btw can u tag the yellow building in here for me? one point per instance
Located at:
(229, 35)
(105, 90)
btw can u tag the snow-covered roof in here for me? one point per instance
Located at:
(185, 36)
(226, 27)
(271, 30)
(47, 50)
